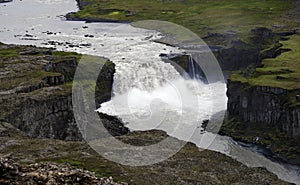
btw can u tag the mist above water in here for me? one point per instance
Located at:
(178, 107)
(148, 93)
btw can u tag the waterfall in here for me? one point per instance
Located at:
(142, 73)
(146, 89)
(194, 70)
(149, 73)
(160, 98)
(191, 67)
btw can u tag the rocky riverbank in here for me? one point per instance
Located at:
(36, 90)
(188, 166)
(33, 118)
(34, 84)
(263, 107)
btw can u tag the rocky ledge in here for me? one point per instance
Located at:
(33, 118)
(263, 115)
(264, 104)
(188, 166)
(36, 91)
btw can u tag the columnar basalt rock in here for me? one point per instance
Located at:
(265, 105)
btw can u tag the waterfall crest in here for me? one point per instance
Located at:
(142, 74)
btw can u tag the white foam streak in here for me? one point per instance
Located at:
(148, 92)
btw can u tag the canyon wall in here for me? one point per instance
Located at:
(41, 106)
(264, 105)
(48, 118)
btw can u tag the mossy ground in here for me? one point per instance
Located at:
(282, 71)
(9, 52)
(222, 17)
(188, 166)
(26, 70)
(269, 137)
(200, 17)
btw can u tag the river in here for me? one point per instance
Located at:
(164, 100)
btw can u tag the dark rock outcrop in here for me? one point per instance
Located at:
(241, 54)
(82, 3)
(113, 124)
(185, 65)
(66, 66)
(48, 118)
(265, 105)
(42, 105)
(264, 115)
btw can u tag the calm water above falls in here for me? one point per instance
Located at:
(145, 103)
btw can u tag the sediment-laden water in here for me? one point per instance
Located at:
(148, 93)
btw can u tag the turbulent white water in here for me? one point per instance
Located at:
(142, 72)
(178, 107)
(148, 93)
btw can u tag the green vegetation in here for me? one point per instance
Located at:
(269, 137)
(200, 17)
(225, 17)
(26, 79)
(9, 52)
(61, 54)
(188, 166)
(282, 71)
(22, 70)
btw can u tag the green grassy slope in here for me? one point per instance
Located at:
(200, 16)
(282, 71)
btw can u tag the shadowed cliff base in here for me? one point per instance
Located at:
(188, 166)
(261, 91)
(263, 103)
(209, 173)
(36, 90)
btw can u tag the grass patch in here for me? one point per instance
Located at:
(269, 137)
(66, 54)
(71, 162)
(10, 52)
(23, 70)
(282, 71)
(200, 17)
(95, 163)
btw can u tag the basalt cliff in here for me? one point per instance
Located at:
(37, 126)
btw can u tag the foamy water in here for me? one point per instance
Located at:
(148, 93)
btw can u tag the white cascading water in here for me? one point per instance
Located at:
(140, 73)
(148, 93)
(192, 68)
